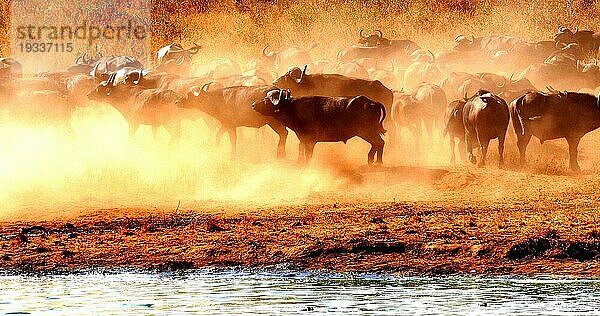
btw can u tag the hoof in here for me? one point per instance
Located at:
(575, 168)
(472, 159)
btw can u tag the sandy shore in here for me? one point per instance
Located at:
(547, 236)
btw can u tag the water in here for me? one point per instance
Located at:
(232, 292)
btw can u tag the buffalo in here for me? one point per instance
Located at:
(485, 117)
(232, 107)
(327, 119)
(107, 65)
(378, 47)
(139, 106)
(587, 40)
(455, 128)
(568, 115)
(83, 64)
(333, 85)
(175, 59)
(424, 106)
(10, 68)
(288, 57)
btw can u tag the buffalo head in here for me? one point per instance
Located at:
(10, 68)
(103, 90)
(196, 97)
(273, 102)
(373, 40)
(294, 77)
(175, 59)
(271, 56)
(83, 64)
(464, 43)
(565, 35)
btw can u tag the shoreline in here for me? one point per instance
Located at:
(401, 239)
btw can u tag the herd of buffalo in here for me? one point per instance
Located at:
(372, 88)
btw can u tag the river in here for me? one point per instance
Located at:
(236, 292)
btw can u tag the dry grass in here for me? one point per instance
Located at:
(239, 29)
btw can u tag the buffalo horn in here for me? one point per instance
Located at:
(196, 90)
(503, 83)
(194, 50)
(361, 34)
(380, 33)
(281, 93)
(139, 72)
(180, 61)
(303, 73)
(206, 86)
(432, 56)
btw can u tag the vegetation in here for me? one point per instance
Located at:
(240, 28)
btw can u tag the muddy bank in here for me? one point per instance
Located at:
(404, 238)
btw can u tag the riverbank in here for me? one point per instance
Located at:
(547, 237)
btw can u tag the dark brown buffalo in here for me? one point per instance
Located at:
(485, 117)
(455, 128)
(327, 119)
(568, 115)
(232, 107)
(331, 85)
(378, 47)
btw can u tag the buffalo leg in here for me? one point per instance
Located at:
(301, 156)
(501, 149)
(573, 144)
(233, 140)
(429, 127)
(283, 133)
(308, 150)
(174, 129)
(219, 135)
(377, 144)
(133, 127)
(522, 142)
(461, 149)
(469, 148)
(484, 143)
(415, 129)
(452, 154)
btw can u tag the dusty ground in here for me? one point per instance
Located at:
(468, 221)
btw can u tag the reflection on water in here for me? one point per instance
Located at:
(227, 292)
